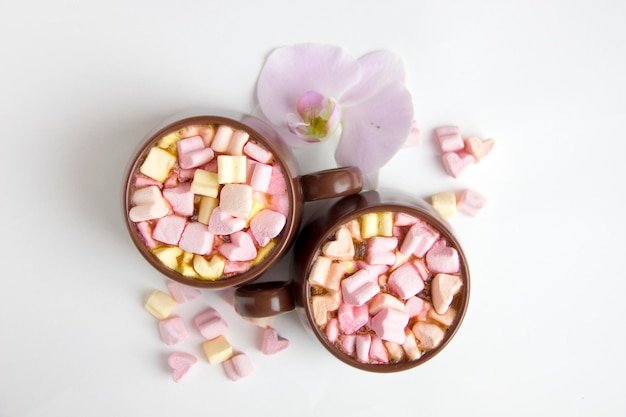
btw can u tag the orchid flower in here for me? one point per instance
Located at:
(313, 92)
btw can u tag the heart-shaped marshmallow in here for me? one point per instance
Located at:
(266, 225)
(240, 248)
(444, 259)
(478, 148)
(272, 343)
(221, 223)
(180, 362)
(342, 247)
(456, 162)
(443, 288)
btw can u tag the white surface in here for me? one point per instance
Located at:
(82, 82)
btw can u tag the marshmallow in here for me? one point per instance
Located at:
(381, 250)
(217, 350)
(352, 318)
(169, 140)
(441, 258)
(405, 281)
(447, 130)
(169, 229)
(210, 324)
(429, 335)
(240, 248)
(205, 183)
(470, 202)
(159, 304)
(181, 199)
(168, 255)
(413, 306)
(394, 350)
(456, 162)
(238, 367)
(158, 164)
(189, 144)
(443, 288)
(478, 148)
(446, 318)
(257, 152)
(221, 223)
(266, 225)
(231, 169)
(180, 363)
(404, 219)
(358, 289)
(236, 200)
(332, 330)
(211, 269)
(260, 177)
(389, 325)
(145, 230)
(383, 301)
(149, 204)
(221, 139)
(205, 208)
(410, 346)
(196, 158)
(378, 352)
(238, 140)
(172, 330)
(362, 345)
(278, 185)
(444, 204)
(196, 239)
(183, 293)
(319, 270)
(342, 247)
(271, 342)
(348, 342)
(451, 141)
(418, 240)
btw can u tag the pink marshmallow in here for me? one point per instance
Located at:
(169, 229)
(271, 342)
(196, 158)
(261, 176)
(240, 248)
(221, 223)
(348, 342)
(173, 330)
(405, 281)
(181, 199)
(470, 202)
(280, 203)
(196, 239)
(352, 318)
(277, 182)
(183, 293)
(236, 200)
(332, 330)
(180, 362)
(443, 259)
(403, 219)
(381, 250)
(418, 240)
(358, 289)
(145, 230)
(141, 181)
(231, 267)
(456, 162)
(172, 179)
(413, 306)
(389, 325)
(446, 130)
(238, 367)
(383, 301)
(451, 142)
(378, 352)
(210, 324)
(257, 152)
(266, 225)
(189, 144)
(421, 269)
(363, 343)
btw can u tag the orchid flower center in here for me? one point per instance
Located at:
(318, 117)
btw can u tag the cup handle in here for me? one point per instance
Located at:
(264, 299)
(331, 183)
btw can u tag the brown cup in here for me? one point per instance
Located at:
(300, 188)
(317, 231)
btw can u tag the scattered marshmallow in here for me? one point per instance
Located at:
(470, 202)
(271, 342)
(444, 204)
(455, 163)
(217, 350)
(210, 324)
(158, 164)
(478, 148)
(183, 293)
(181, 363)
(238, 367)
(172, 330)
(159, 304)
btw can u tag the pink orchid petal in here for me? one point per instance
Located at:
(310, 100)
(291, 71)
(377, 70)
(376, 128)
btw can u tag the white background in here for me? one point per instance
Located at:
(82, 82)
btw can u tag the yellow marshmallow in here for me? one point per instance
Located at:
(369, 225)
(205, 208)
(263, 252)
(231, 169)
(205, 183)
(444, 204)
(157, 164)
(168, 255)
(159, 304)
(217, 350)
(169, 140)
(209, 269)
(185, 267)
(385, 224)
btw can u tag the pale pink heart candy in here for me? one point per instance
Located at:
(352, 318)
(266, 225)
(180, 362)
(456, 162)
(443, 288)
(342, 247)
(240, 248)
(221, 223)
(478, 148)
(443, 259)
(271, 342)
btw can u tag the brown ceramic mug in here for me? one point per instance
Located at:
(255, 300)
(297, 190)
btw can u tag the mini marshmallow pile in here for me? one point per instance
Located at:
(382, 290)
(458, 154)
(209, 201)
(210, 324)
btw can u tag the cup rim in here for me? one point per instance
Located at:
(282, 245)
(425, 213)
